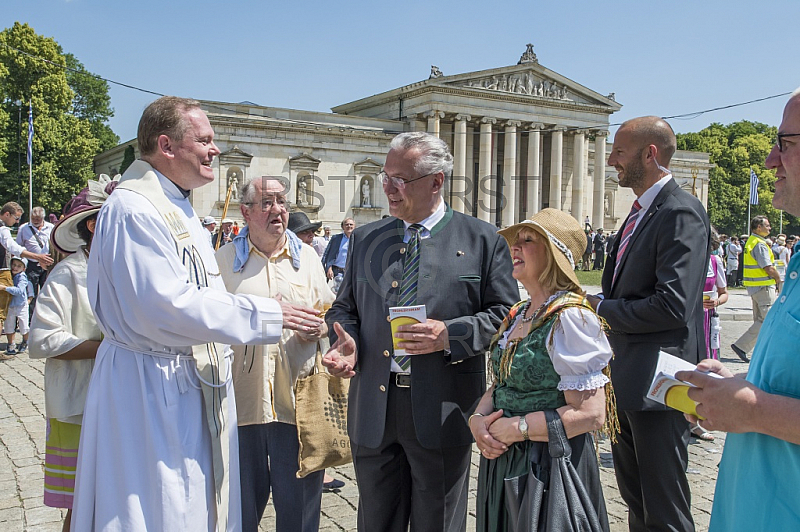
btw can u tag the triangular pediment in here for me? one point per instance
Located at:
(236, 155)
(531, 80)
(304, 161)
(236, 150)
(304, 158)
(367, 166)
(526, 83)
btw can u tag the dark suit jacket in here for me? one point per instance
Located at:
(332, 251)
(219, 236)
(465, 281)
(599, 243)
(657, 301)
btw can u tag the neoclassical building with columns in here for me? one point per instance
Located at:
(523, 138)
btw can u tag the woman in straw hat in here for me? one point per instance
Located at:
(551, 352)
(65, 332)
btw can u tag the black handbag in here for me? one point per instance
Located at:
(551, 495)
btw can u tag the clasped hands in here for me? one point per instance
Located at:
(493, 433)
(416, 339)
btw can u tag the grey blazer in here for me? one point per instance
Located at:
(465, 281)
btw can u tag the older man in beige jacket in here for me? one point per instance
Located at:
(268, 260)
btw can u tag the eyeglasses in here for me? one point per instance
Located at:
(267, 204)
(398, 182)
(781, 136)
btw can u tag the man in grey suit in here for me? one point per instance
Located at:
(653, 287)
(407, 424)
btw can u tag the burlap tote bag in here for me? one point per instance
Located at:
(321, 413)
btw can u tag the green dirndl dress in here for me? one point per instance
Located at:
(531, 386)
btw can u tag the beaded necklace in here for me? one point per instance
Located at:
(537, 312)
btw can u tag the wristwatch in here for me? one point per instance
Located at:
(523, 428)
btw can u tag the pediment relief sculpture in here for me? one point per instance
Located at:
(520, 83)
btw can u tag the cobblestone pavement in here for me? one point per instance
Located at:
(22, 447)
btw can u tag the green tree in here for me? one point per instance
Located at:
(69, 115)
(91, 101)
(127, 159)
(4, 123)
(735, 149)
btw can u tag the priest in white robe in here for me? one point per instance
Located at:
(159, 448)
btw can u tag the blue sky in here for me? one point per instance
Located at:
(665, 59)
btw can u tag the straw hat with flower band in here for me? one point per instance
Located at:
(65, 237)
(566, 241)
(563, 234)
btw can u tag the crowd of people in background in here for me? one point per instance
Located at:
(597, 246)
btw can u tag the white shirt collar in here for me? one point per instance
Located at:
(430, 222)
(649, 195)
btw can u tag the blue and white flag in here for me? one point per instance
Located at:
(753, 188)
(30, 133)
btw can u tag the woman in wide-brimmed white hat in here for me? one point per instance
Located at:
(549, 354)
(65, 332)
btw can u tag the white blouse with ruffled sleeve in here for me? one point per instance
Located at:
(579, 350)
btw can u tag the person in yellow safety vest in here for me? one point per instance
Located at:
(761, 279)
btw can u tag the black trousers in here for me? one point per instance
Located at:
(402, 482)
(36, 276)
(599, 260)
(650, 460)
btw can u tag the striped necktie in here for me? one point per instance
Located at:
(408, 286)
(626, 236)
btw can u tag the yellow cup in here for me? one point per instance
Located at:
(395, 323)
(678, 398)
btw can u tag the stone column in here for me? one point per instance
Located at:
(458, 183)
(598, 205)
(578, 174)
(483, 180)
(587, 181)
(433, 121)
(470, 182)
(509, 171)
(556, 149)
(416, 122)
(534, 177)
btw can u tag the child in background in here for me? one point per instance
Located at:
(18, 308)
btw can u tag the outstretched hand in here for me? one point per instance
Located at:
(45, 260)
(299, 317)
(341, 357)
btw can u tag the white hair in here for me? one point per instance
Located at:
(434, 154)
(247, 190)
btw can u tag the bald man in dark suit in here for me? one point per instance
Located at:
(653, 288)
